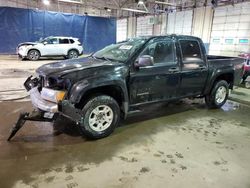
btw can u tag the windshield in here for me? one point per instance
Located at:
(120, 51)
(41, 40)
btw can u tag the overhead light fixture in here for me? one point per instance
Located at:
(140, 2)
(165, 3)
(134, 10)
(107, 9)
(46, 2)
(70, 1)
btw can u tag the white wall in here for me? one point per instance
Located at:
(231, 25)
(202, 23)
(121, 29)
(143, 27)
(214, 26)
(180, 22)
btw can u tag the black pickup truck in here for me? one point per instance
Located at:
(98, 90)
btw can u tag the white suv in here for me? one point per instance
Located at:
(68, 47)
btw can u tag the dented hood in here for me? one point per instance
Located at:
(64, 67)
(27, 43)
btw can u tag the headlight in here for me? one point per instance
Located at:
(52, 95)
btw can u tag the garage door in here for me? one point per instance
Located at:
(230, 30)
(180, 22)
(121, 30)
(144, 26)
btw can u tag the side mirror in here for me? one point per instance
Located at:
(145, 60)
(45, 42)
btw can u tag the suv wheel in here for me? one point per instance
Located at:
(218, 95)
(33, 55)
(101, 115)
(72, 54)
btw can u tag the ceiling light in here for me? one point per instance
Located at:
(107, 9)
(71, 1)
(46, 2)
(134, 10)
(140, 2)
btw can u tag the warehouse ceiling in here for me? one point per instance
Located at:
(115, 8)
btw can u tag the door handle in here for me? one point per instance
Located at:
(174, 70)
(202, 67)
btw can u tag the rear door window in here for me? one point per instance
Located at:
(190, 50)
(63, 41)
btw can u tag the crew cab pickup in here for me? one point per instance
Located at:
(98, 90)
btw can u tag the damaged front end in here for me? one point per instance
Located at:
(48, 104)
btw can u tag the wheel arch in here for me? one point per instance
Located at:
(34, 49)
(73, 49)
(113, 90)
(228, 77)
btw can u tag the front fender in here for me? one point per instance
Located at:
(80, 88)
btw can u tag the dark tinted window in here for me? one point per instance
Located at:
(190, 50)
(162, 52)
(71, 41)
(63, 41)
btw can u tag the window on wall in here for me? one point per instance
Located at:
(243, 41)
(161, 51)
(190, 50)
(229, 41)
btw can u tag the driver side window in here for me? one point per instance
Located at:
(161, 51)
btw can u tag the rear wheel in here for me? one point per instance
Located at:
(72, 54)
(33, 55)
(218, 95)
(101, 115)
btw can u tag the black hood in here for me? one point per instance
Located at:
(64, 67)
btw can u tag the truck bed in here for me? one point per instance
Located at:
(225, 62)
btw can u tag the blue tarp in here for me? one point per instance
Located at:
(25, 25)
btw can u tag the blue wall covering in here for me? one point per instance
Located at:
(25, 25)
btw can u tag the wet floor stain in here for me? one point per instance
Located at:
(38, 151)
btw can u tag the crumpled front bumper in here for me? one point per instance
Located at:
(64, 107)
(40, 103)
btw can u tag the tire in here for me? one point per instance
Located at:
(33, 55)
(247, 84)
(73, 54)
(218, 95)
(96, 122)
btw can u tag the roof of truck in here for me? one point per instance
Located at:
(170, 36)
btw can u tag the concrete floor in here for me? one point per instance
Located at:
(180, 145)
(176, 145)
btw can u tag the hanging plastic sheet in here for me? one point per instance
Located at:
(25, 25)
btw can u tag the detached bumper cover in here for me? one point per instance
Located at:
(40, 103)
(67, 109)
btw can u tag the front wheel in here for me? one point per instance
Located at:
(33, 55)
(101, 115)
(218, 95)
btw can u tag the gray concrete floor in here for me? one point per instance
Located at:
(176, 145)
